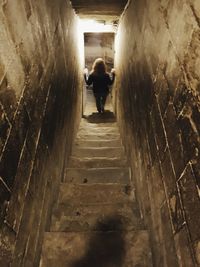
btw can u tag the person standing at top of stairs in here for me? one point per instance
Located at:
(100, 80)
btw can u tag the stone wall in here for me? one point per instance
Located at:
(40, 96)
(158, 107)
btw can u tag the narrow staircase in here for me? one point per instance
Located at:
(96, 221)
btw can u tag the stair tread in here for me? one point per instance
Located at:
(98, 143)
(95, 193)
(98, 151)
(100, 148)
(84, 123)
(91, 217)
(103, 175)
(96, 162)
(98, 136)
(99, 249)
(97, 130)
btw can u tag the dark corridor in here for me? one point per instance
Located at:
(156, 111)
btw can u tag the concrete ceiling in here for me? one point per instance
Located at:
(108, 10)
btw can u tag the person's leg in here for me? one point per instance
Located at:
(98, 102)
(103, 101)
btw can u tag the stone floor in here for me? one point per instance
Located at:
(96, 221)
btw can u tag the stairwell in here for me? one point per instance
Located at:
(96, 220)
(156, 99)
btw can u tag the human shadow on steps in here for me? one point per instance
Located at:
(106, 117)
(106, 248)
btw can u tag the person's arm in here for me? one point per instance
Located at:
(112, 77)
(88, 79)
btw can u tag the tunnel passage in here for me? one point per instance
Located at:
(156, 103)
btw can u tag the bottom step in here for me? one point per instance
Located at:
(96, 249)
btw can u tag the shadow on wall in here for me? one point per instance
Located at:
(106, 247)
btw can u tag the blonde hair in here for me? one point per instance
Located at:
(99, 66)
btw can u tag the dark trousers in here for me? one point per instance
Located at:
(100, 101)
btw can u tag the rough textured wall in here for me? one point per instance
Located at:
(39, 100)
(158, 106)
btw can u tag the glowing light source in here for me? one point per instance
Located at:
(95, 26)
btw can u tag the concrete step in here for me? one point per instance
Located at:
(98, 130)
(85, 124)
(98, 143)
(100, 175)
(96, 162)
(91, 218)
(108, 152)
(98, 136)
(84, 194)
(96, 249)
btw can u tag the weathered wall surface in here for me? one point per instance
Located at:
(39, 99)
(158, 106)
